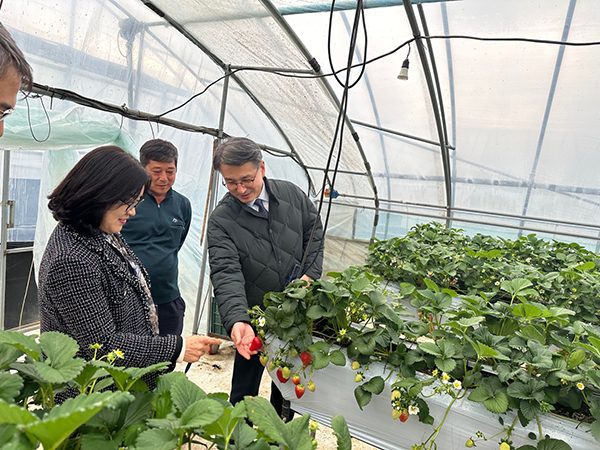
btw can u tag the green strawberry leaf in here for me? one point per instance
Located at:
(27, 344)
(201, 413)
(58, 348)
(480, 394)
(337, 358)
(157, 439)
(10, 385)
(362, 397)
(320, 360)
(497, 404)
(553, 444)
(185, 393)
(11, 413)
(430, 347)
(340, 430)
(375, 385)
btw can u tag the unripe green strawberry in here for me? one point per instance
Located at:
(296, 379)
(294, 352)
(286, 372)
(355, 365)
(396, 413)
(396, 394)
(272, 366)
(264, 359)
(470, 443)
(310, 386)
(358, 378)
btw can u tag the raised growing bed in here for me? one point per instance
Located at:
(504, 330)
(374, 423)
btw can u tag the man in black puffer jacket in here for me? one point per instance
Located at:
(257, 236)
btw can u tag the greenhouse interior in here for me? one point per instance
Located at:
(437, 139)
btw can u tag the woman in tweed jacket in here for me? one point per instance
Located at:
(91, 285)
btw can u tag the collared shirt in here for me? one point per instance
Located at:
(264, 196)
(155, 234)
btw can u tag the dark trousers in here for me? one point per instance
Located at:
(170, 317)
(246, 381)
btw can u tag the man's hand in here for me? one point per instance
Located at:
(196, 346)
(307, 279)
(242, 335)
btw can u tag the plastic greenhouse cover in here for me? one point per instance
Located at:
(520, 116)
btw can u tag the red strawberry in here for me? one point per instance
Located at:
(306, 358)
(299, 390)
(310, 386)
(404, 415)
(256, 344)
(296, 379)
(283, 375)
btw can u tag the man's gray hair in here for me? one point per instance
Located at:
(11, 56)
(236, 151)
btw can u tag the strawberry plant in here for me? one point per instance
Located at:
(512, 325)
(176, 414)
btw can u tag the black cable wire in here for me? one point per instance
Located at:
(340, 123)
(29, 118)
(334, 73)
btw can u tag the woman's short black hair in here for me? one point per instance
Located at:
(101, 179)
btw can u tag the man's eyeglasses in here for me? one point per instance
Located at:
(6, 113)
(244, 183)
(133, 204)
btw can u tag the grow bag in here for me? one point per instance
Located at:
(334, 394)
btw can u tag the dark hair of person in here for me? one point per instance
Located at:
(158, 150)
(11, 56)
(236, 151)
(102, 179)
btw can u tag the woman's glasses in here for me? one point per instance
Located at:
(133, 204)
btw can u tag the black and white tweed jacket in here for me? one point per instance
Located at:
(87, 291)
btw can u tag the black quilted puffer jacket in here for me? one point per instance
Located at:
(251, 255)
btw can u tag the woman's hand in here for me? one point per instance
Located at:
(196, 346)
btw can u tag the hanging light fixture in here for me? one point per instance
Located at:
(403, 75)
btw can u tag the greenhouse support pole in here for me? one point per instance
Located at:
(213, 194)
(412, 20)
(4, 234)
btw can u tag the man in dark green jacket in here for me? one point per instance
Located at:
(257, 237)
(158, 230)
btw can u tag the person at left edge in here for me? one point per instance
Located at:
(15, 74)
(158, 230)
(91, 285)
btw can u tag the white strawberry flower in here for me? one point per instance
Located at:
(445, 378)
(413, 410)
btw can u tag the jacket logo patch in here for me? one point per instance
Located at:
(174, 220)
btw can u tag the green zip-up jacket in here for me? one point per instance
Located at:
(155, 234)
